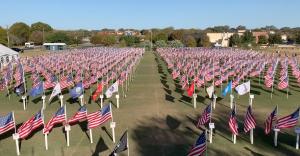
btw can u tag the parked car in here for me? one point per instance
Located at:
(18, 50)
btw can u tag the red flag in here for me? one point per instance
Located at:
(190, 90)
(97, 92)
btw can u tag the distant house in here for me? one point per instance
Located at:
(55, 46)
(256, 34)
(220, 39)
(7, 54)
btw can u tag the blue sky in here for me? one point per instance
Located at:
(143, 14)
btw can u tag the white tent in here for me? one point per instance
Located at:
(7, 54)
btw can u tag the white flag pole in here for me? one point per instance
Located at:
(112, 125)
(127, 143)
(16, 135)
(67, 127)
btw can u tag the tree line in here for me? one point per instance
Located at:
(40, 32)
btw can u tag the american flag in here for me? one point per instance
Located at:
(205, 117)
(59, 117)
(272, 117)
(33, 123)
(66, 82)
(233, 122)
(249, 122)
(199, 147)
(283, 83)
(7, 123)
(97, 118)
(288, 121)
(81, 114)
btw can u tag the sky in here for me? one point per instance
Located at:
(145, 14)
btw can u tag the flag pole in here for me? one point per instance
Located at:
(16, 135)
(67, 127)
(127, 143)
(112, 124)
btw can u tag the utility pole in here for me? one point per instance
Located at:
(43, 36)
(7, 33)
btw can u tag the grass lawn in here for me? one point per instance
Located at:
(160, 119)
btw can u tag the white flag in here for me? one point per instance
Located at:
(56, 91)
(210, 90)
(112, 89)
(243, 88)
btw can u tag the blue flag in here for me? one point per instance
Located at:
(39, 89)
(77, 90)
(227, 89)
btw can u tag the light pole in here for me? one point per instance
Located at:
(7, 33)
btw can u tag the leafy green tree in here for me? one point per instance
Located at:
(130, 40)
(160, 36)
(234, 40)
(58, 37)
(204, 41)
(262, 39)
(160, 44)
(275, 39)
(248, 38)
(190, 41)
(3, 36)
(146, 44)
(176, 35)
(297, 38)
(19, 33)
(104, 39)
(175, 44)
(40, 26)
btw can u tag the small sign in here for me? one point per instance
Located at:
(276, 129)
(112, 124)
(67, 128)
(117, 96)
(211, 125)
(297, 130)
(16, 136)
(251, 96)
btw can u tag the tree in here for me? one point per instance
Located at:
(40, 26)
(36, 37)
(19, 33)
(275, 39)
(262, 39)
(190, 41)
(204, 41)
(160, 44)
(104, 39)
(248, 38)
(3, 36)
(130, 40)
(160, 36)
(241, 27)
(297, 38)
(234, 40)
(176, 35)
(58, 37)
(175, 44)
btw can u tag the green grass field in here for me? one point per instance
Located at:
(160, 119)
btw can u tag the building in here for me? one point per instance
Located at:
(256, 34)
(55, 46)
(6, 55)
(221, 39)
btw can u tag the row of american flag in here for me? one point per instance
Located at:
(201, 65)
(94, 120)
(194, 67)
(249, 123)
(86, 66)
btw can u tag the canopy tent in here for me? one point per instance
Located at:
(7, 54)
